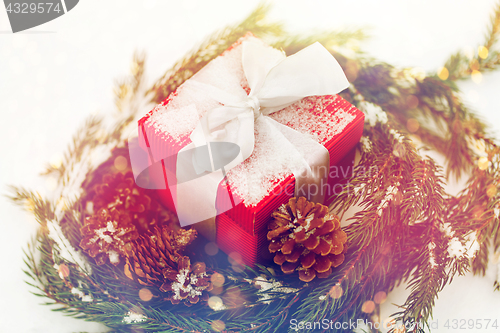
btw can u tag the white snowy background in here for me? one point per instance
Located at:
(53, 76)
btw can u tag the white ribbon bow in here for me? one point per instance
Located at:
(275, 82)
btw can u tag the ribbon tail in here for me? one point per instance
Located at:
(196, 193)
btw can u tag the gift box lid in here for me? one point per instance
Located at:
(259, 182)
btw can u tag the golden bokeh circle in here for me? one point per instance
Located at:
(217, 279)
(368, 307)
(211, 249)
(120, 163)
(443, 73)
(491, 190)
(482, 163)
(412, 125)
(145, 294)
(411, 101)
(218, 325)
(215, 302)
(482, 52)
(63, 271)
(336, 292)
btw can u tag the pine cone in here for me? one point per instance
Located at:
(119, 192)
(106, 235)
(307, 239)
(156, 260)
(124, 211)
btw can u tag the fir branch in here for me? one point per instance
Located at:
(332, 40)
(85, 137)
(429, 278)
(460, 66)
(31, 202)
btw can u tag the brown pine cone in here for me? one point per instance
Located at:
(156, 260)
(307, 239)
(119, 192)
(119, 201)
(106, 236)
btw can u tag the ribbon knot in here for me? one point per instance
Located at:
(254, 103)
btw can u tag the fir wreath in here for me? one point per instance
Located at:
(408, 229)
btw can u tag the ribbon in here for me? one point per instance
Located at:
(275, 82)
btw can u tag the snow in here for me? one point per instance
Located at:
(432, 259)
(114, 257)
(133, 317)
(398, 136)
(66, 250)
(190, 288)
(389, 196)
(373, 113)
(457, 249)
(81, 294)
(269, 286)
(366, 144)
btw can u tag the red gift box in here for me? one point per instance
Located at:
(330, 120)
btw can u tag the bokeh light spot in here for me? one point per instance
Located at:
(368, 307)
(380, 297)
(211, 249)
(476, 76)
(218, 325)
(336, 292)
(145, 294)
(412, 101)
(412, 125)
(215, 303)
(491, 190)
(443, 73)
(482, 52)
(482, 163)
(217, 279)
(120, 163)
(63, 271)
